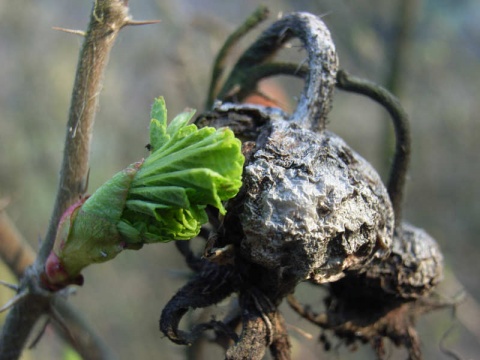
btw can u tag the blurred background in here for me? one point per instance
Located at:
(435, 71)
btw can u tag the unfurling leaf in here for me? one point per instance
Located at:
(159, 199)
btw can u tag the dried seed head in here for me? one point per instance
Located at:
(312, 208)
(414, 267)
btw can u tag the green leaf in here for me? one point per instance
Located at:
(159, 111)
(158, 123)
(169, 195)
(160, 199)
(180, 121)
(70, 354)
(158, 135)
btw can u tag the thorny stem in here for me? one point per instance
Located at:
(23, 316)
(18, 255)
(315, 102)
(107, 19)
(252, 21)
(398, 171)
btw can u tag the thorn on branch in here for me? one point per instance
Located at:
(16, 299)
(70, 31)
(140, 22)
(8, 285)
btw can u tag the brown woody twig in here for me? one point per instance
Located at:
(108, 17)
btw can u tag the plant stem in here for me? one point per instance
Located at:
(315, 100)
(399, 168)
(253, 20)
(18, 255)
(107, 19)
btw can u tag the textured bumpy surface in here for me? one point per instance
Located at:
(413, 268)
(313, 208)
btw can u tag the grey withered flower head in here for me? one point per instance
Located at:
(310, 207)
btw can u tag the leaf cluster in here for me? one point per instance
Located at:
(188, 169)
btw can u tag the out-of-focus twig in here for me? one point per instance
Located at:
(18, 255)
(399, 53)
(14, 250)
(219, 65)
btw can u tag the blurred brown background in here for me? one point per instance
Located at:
(438, 83)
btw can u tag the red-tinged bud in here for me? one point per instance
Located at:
(56, 277)
(65, 224)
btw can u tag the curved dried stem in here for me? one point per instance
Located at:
(398, 171)
(194, 262)
(253, 75)
(209, 287)
(251, 22)
(315, 101)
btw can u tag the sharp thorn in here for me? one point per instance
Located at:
(141, 22)
(70, 31)
(17, 298)
(8, 285)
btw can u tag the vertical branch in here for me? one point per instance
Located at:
(108, 17)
